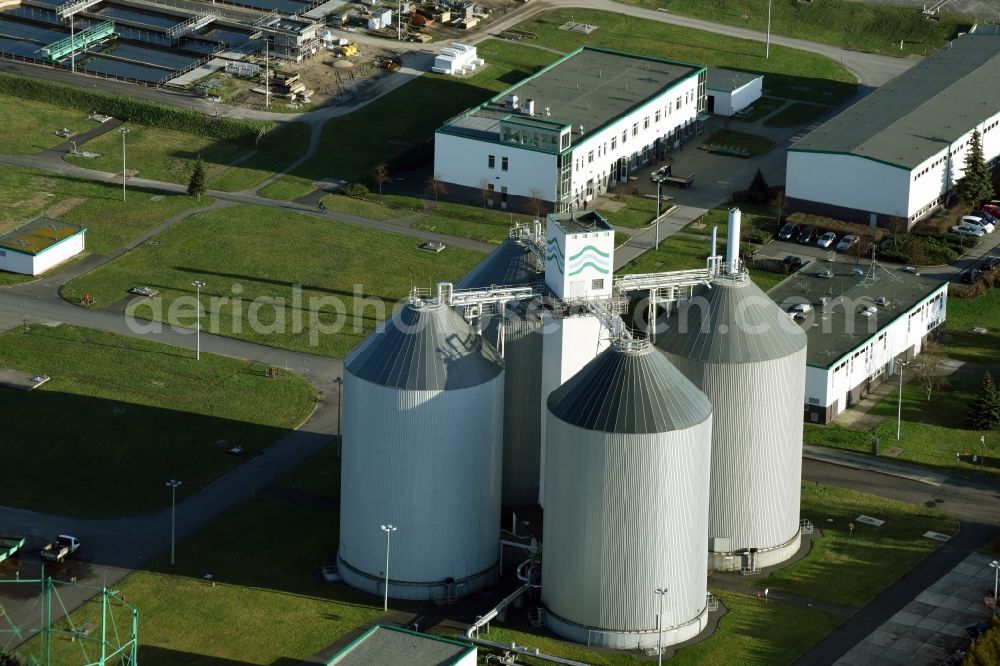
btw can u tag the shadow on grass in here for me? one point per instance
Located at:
(154, 655)
(280, 283)
(111, 457)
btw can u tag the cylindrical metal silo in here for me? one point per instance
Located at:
(511, 264)
(628, 442)
(422, 420)
(733, 342)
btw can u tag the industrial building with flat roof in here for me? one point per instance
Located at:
(392, 646)
(38, 245)
(571, 131)
(861, 321)
(899, 151)
(730, 91)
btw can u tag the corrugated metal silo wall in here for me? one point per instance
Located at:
(521, 409)
(625, 514)
(756, 447)
(429, 463)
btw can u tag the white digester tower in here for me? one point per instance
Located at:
(735, 344)
(579, 264)
(626, 501)
(422, 423)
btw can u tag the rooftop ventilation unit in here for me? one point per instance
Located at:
(528, 107)
(828, 274)
(857, 271)
(868, 311)
(512, 101)
(882, 301)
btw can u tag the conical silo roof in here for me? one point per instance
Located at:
(425, 347)
(631, 388)
(731, 321)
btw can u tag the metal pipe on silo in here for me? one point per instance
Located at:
(715, 242)
(733, 241)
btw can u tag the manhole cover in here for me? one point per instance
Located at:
(892, 452)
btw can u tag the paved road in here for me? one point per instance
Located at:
(987, 9)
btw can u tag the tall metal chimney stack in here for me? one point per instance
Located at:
(715, 241)
(733, 242)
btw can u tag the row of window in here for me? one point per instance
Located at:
(492, 163)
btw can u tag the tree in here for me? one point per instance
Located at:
(976, 185)
(436, 187)
(484, 190)
(927, 368)
(380, 176)
(779, 201)
(10, 659)
(759, 190)
(984, 412)
(536, 204)
(197, 186)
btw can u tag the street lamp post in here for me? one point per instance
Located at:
(899, 404)
(197, 284)
(767, 45)
(995, 565)
(982, 458)
(388, 529)
(124, 131)
(173, 485)
(661, 592)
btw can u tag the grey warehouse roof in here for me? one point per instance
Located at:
(390, 646)
(731, 322)
(589, 87)
(626, 390)
(728, 80)
(837, 330)
(425, 347)
(920, 112)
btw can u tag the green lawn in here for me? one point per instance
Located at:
(797, 72)
(487, 225)
(169, 155)
(850, 569)
(320, 475)
(753, 144)
(26, 193)
(636, 213)
(353, 144)
(751, 633)
(763, 107)
(852, 25)
(964, 314)
(120, 415)
(253, 258)
(375, 207)
(30, 126)
(796, 115)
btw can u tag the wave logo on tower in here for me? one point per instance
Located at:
(554, 253)
(589, 257)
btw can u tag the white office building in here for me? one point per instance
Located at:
(457, 59)
(862, 321)
(898, 152)
(573, 130)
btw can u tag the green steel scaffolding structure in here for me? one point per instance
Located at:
(103, 631)
(83, 39)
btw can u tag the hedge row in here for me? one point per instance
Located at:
(127, 108)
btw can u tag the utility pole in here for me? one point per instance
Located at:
(399, 22)
(72, 41)
(899, 405)
(388, 529)
(267, 72)
(659, 185)
(660, 592)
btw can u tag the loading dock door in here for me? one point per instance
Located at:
(711, 103)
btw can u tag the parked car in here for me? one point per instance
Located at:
(990, 264)
(992, 209)
(983, 223)
(660, 174)
(789, 231)
(985, 214)
(827, 239)
(806, 235)
(791, 263)
(968, 230)
(971, 276)
(847, 242)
